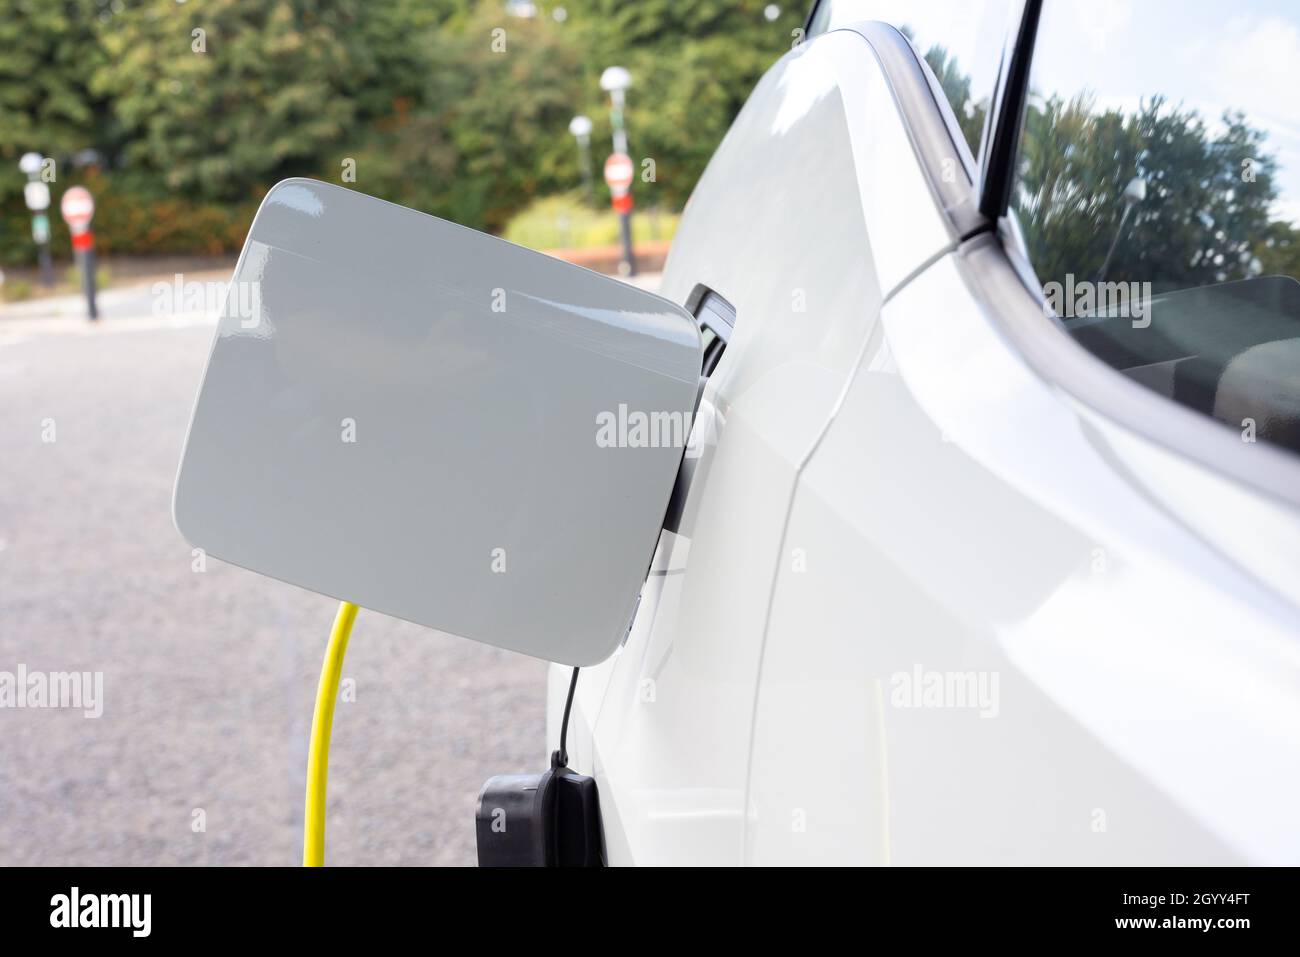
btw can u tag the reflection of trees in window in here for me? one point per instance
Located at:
(1205, 216)
(956, 87)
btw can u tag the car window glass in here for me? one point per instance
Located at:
(1158, 186)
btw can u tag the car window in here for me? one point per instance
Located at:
(1157, 192)
(961, 40)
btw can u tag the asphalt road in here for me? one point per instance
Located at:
(208, 678)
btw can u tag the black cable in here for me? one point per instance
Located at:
(560, 758)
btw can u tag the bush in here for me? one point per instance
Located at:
(131, 219)
(72, 276)
(16, 290)
(566, 222)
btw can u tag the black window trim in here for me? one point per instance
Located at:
(807, 21)
(1007, 112)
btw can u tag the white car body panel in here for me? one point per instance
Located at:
(1014, 545)
(891, 487)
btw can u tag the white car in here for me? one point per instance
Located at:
(986, 545)
(957, 581)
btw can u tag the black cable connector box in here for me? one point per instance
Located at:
(550, 819)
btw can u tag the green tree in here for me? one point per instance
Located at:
(1201, 221)
(956, 86)
(1278, 250)
(48, 51)
(266, 95)
(195, 126)
(693, 66)
(489, 132)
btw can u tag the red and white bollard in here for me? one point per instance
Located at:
(78, 208)
(618, 177)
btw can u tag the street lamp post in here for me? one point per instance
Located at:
(37, 195)
(1134, 193)
(615, 80)
(580, 127)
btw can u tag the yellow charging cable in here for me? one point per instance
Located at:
(322, 722)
